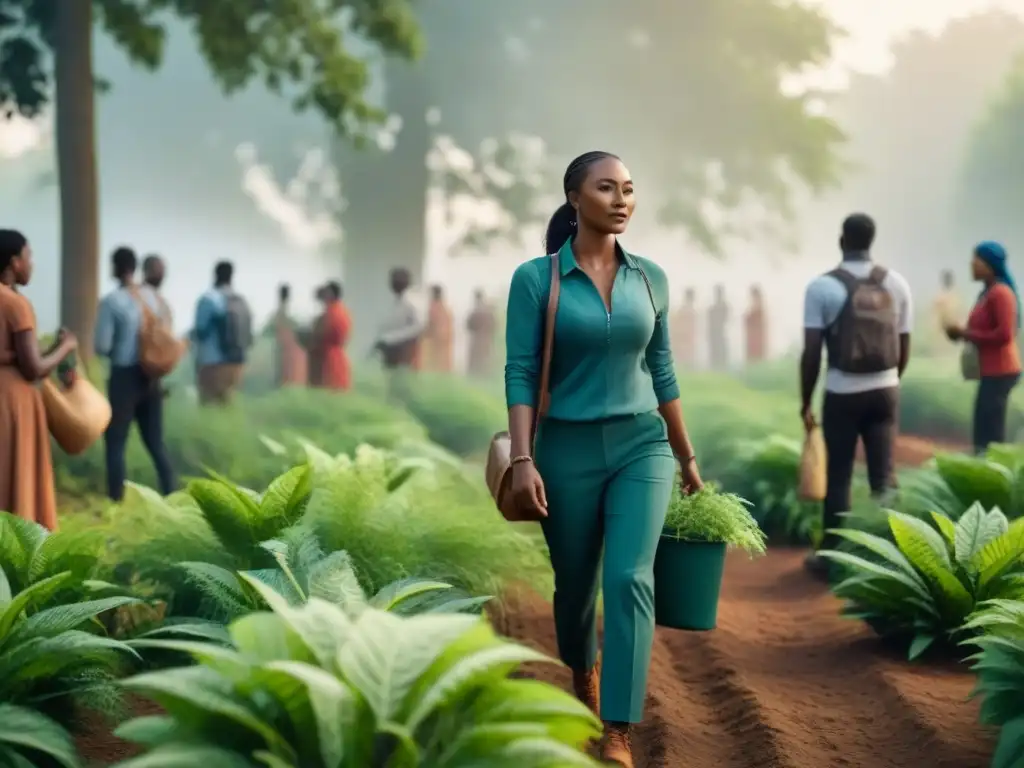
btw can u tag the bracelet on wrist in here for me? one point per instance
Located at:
(684, 460)
(520, 460)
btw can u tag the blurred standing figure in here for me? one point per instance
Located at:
(153, 272)
(948, 308)
(133, 395)
(335, 371)
(437, 340)
(292, 367)
(684, 332)
(223, 332)
(26, 465)
(718, 322)
(482, 325)
(398, 338)
(992, 327)
(313, 341)
(862, 313)
(754, 325)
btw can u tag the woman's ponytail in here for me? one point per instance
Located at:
(561, 227)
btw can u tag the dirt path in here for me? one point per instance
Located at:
(785, 683)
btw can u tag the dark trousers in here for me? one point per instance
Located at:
(868, 416)
(135, 397)
(990, 408)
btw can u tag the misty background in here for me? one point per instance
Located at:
(197, 177)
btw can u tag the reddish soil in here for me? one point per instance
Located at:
(912, 451)
(784, 682)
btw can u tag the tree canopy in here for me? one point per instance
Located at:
(992, 195)
(296, 48)
(688, 92)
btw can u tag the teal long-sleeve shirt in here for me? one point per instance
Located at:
(604, 364)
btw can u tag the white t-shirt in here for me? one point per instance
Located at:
(823, 302)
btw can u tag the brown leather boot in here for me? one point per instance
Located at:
(587, 686)
(616, 748)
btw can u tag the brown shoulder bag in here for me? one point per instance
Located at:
(499, 457)
(159, 349)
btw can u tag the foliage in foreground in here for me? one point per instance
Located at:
(923, 587)
(49, 665)
(999, 665)
(710, 516)
(316, 686)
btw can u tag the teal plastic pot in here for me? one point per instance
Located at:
(687, 583)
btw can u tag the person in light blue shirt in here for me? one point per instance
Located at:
(133, 395)
(221, 336)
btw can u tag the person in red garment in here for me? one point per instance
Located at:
(335, 369)
(992, 327)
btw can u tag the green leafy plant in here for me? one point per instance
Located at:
(999, 665)
(313, 685)
(767, 472)
(711, 516)
(49, 666)
(303, 570)
(923, 585)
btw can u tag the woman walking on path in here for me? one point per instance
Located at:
(992, 327)
(608, 447)
(292, 368)
(26, 467)
(335, 370)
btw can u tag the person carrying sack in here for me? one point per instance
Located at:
(611, 441)
(862, 314)
(141, 350)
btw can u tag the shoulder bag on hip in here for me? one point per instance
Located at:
(499, 457)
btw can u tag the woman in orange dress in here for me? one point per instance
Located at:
(26, 467)
(335, 370)
(437, 340)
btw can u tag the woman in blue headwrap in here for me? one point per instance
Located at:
(992, 328)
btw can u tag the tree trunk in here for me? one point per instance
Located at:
(76, 164)
(385, 223)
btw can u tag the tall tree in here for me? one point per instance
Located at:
(298, 49)
(992, 191)
(688, 92)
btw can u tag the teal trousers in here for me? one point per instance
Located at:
(608, 487)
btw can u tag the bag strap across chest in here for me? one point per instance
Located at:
(548, 346)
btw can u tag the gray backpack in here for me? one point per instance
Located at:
(236, 335)
(865, 336)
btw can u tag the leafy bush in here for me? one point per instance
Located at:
(303, 570)
(999, 665)
(710, 516)
(48, 667)
(767, 472)
(227, 440)
(315, 686)
(923, 587)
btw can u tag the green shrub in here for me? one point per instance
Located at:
(767, 472)
(315, 686)
(49, 667)
(228, 440)
(922, 588)
(999, 665)
(710, 516)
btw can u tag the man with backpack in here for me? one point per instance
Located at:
(223, 336)
(862, 313)
(141, 349)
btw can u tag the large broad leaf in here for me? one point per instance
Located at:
(396, 593)
(187, 756)
(975, 529)
(1010, 747)
(53, 621)
(925, 548)
(946, 527)
(284, 501)
(199, 695)
(863, 565)
(335, 707)
(47, 657)
(879, 546)
(36, 594)
(225, 661)
(999, 556)
(386, 655)
(230, 512)
(334, 580)
(976, 479)
(151, 731)
(33, 733)
(266, 637)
